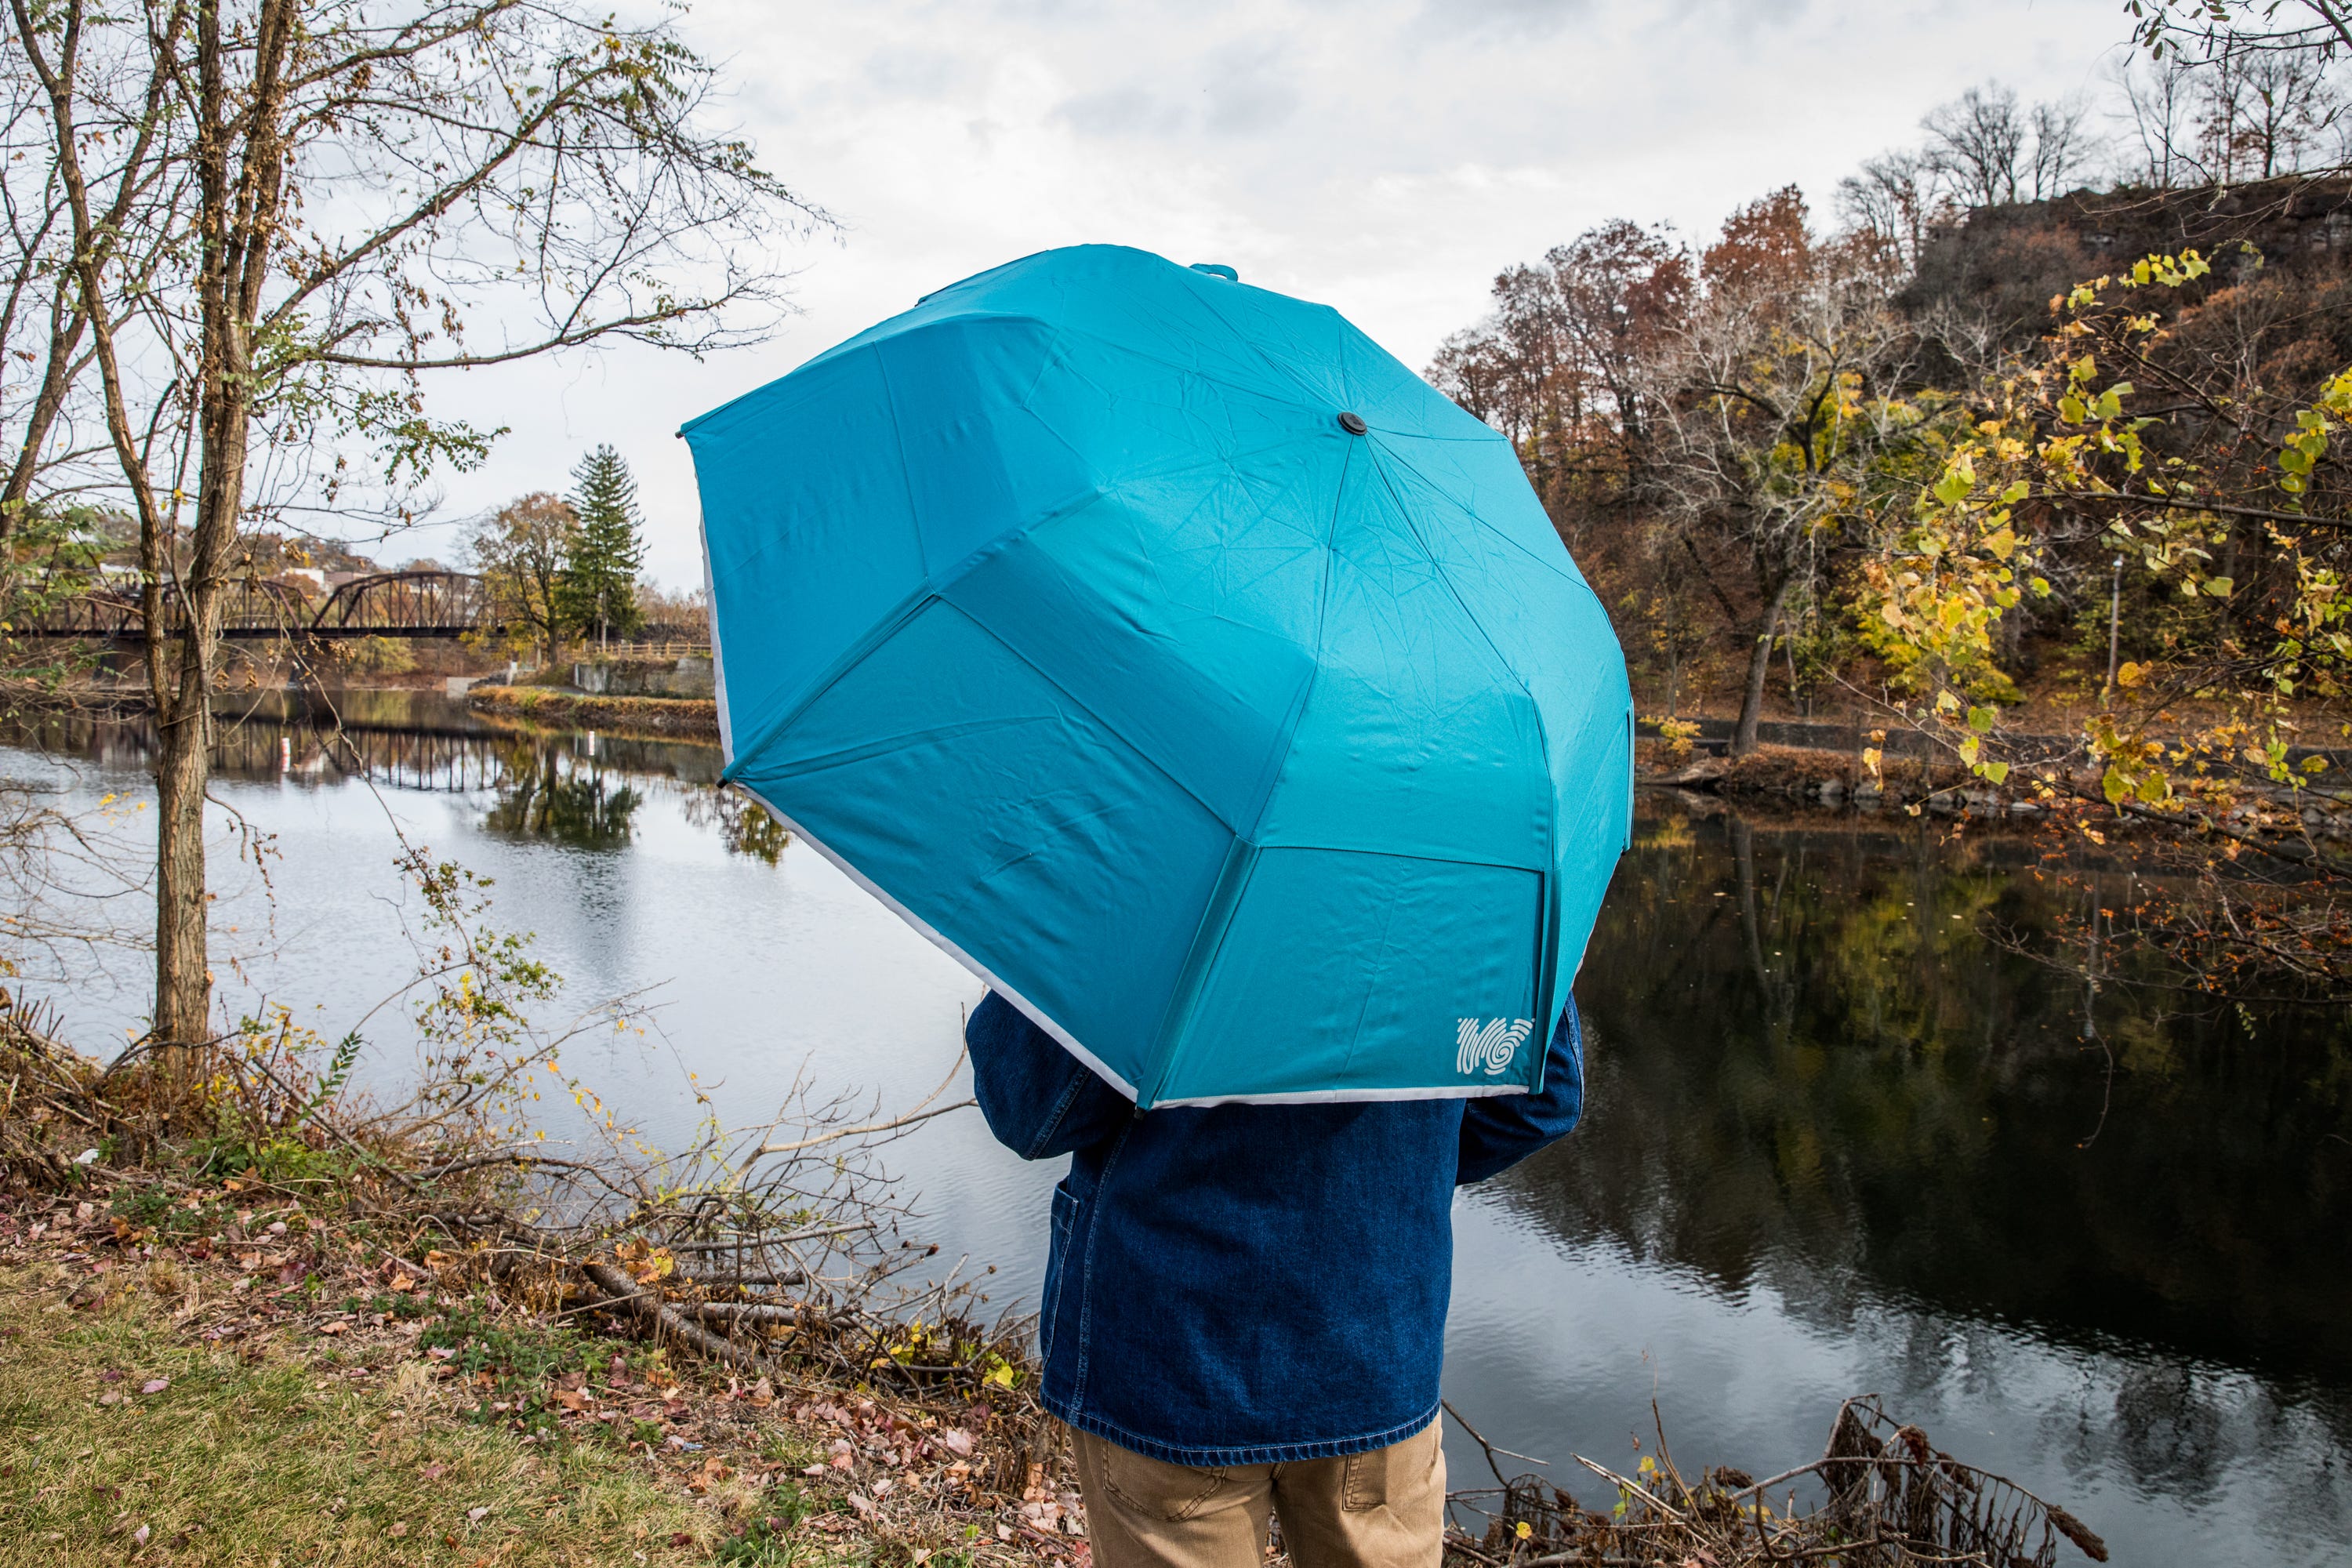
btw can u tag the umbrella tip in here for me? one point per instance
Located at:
(1353, 424)
(1217, 269)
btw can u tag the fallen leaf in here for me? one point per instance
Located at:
(475, 1515)
(441, 1352)
(863, 1504)
(155, 1385)
(398, 1530)
(334, 1328)
(958, 1442)
(435, 1472)
(681, 1539)
(401, 1282)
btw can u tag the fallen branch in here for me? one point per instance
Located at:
(645, 1303)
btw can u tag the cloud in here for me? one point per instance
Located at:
(915, 72)
(1518, 18)
(1385, 156)
(1252, 89)
(1122, 112)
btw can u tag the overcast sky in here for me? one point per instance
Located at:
(1384, 156)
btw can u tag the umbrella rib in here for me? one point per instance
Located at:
(905, 480)
(1472, 514)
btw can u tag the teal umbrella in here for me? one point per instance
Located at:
(1186, 668)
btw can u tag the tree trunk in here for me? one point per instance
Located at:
(240, 189)
(182, 973)
(1760, 665)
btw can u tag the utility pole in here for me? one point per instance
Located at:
(2115, 631)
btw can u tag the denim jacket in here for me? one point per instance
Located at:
(1249, 1284)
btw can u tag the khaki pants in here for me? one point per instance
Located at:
(1385, 1509)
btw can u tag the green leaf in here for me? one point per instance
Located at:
(1995, 772)
(2220, 587)
(1980, 720)
(2115, 786)
(1953, 488)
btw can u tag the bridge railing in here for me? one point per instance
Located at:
(659, 649)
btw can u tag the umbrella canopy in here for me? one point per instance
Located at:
(1186, 668)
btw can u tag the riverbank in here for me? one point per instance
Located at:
(1837, 780)
(244, 1329)
(215, 1373)
(683, 717)
(294, 1338)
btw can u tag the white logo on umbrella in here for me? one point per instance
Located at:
(1495, 1043)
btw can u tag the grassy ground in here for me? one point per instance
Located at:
(220, 1393)
(121, 1441)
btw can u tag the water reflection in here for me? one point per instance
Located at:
(1846, 1134)
(1833, 1071)
(562, 796)
(1811, 1049)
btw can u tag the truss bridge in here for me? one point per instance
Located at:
(424, 604)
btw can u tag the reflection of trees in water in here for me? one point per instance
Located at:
(742, 823)
(1810, 1064)
(571, 800)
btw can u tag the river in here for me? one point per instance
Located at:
(1846, 1134)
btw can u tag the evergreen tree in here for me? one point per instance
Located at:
(599, 590)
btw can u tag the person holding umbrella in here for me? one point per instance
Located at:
(1244, 1308)
(1219, 694)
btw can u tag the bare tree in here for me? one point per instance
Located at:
(2061, 150)
(348, 194)
(2160, 109)
(2260, 78)
(1893, 196)
(1979, 143)
(2264, 114)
